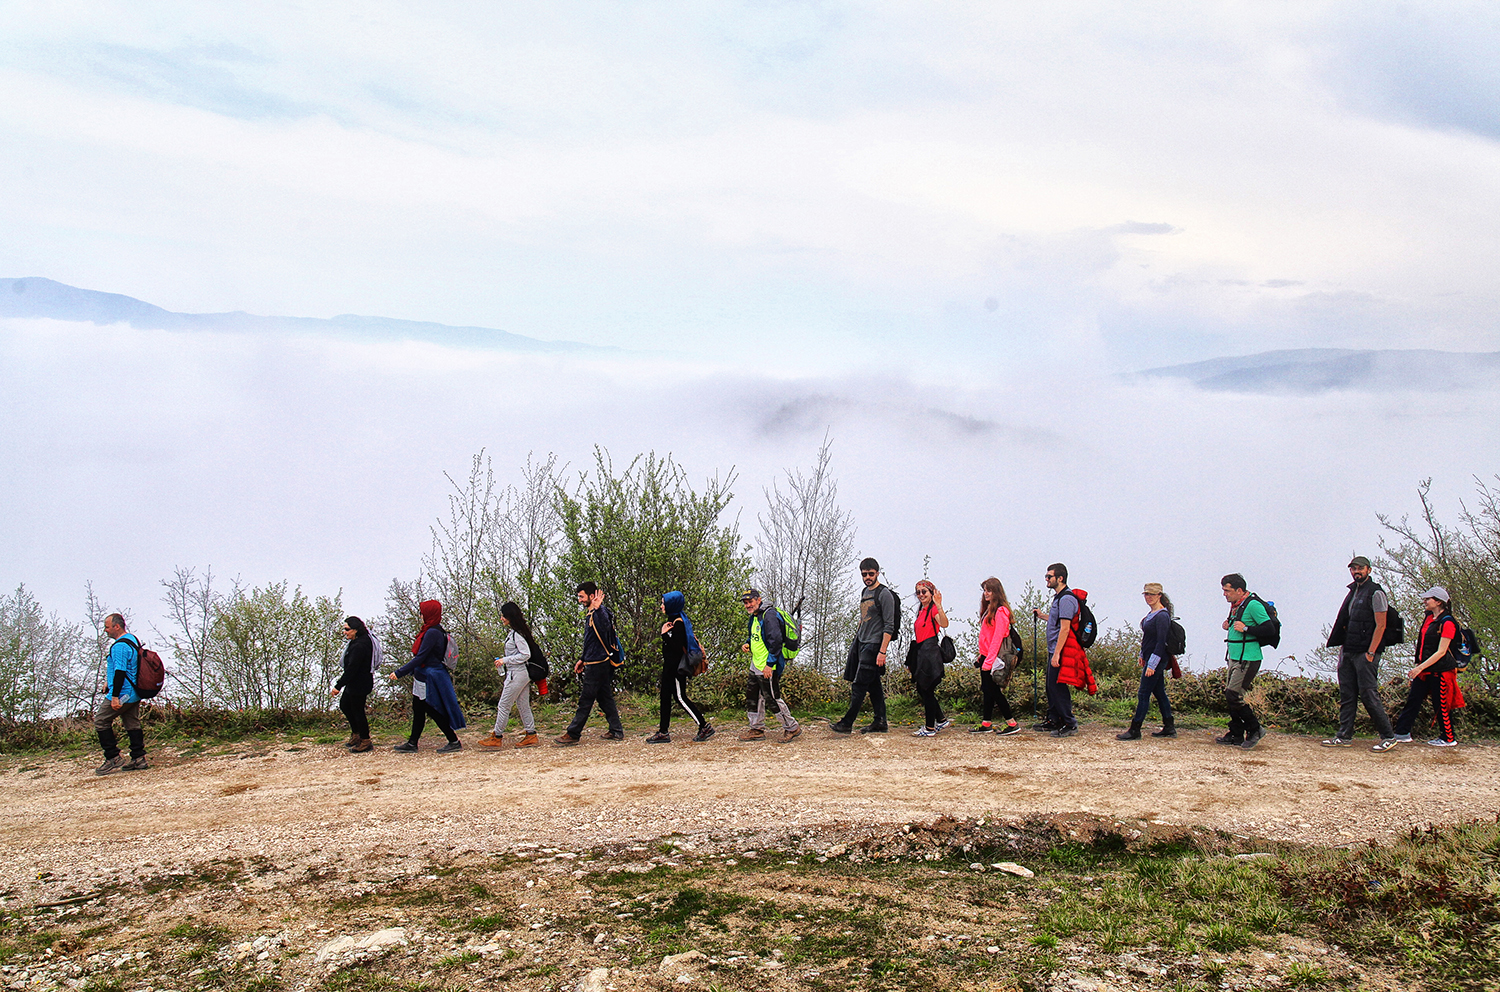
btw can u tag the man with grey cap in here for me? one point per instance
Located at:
(765, 637)
(1360, 632)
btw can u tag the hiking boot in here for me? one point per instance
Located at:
(753, 734)
(1385, 745)
(840, 728)
(1007, 729)
(406, 747)
(450, 747)
(612, 735)
(1253, 738)
(365, 745)
(1133, 734)
(1165, 732)
(1232, 740)
(704, 733)
(135, 765)
(528, 740)
(660, 737)
(111, 765)
(353, 740)
(980, 728)
(565, 739)
(493, 740)
(787, 736)
(1065, 732)
(1338, 742)
(874, 728)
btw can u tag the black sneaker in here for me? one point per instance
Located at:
(704, 733)
(1065, 732)
(449, 747)
(874, 728)
(659, 738)
(1044, 727)
(1006, 729)
(1229, 739)
(613, 735)
(406, 747)
(837, 728)
(1253, 739)
(981, 728)
(135, 765)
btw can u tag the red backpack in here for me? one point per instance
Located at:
(150, 673)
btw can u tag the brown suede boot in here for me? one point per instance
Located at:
(365, 744)
(528, 740)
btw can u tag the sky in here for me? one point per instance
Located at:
(934, 230)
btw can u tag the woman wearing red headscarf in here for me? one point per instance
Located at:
(431, 688)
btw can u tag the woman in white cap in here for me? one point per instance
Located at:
(1156, 627)
(1434, 674)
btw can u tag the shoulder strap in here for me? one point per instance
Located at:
(607, 652)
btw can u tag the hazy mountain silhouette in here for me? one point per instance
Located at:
(1317, 370)
(37, 297)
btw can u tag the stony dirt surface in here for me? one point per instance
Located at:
(296, 852)
(281, 802)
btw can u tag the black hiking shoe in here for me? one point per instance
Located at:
(875, 728)
(1165, 732)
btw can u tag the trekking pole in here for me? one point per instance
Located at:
(1033, 666)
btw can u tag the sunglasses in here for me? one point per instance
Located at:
(863, 572)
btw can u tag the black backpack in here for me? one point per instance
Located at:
(1268, 634)
(1088, 628)
(536, 665)
(896, 598)
(1465, 647)
(1395, 626)
(1176, 639)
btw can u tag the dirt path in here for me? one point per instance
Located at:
(306, 802)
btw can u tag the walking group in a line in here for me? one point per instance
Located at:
(1366, 624)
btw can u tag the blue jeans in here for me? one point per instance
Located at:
(1152, 685)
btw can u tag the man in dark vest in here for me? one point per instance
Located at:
(1360, 632)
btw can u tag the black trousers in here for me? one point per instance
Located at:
(1423, 687)
(994, 698)
(596, 686)
(867, 681)
(1059, 700)
(352, 703)
(930, 706)
(420, 710)
(673, 690)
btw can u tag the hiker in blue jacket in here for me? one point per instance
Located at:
(431, 687)
(120, 675)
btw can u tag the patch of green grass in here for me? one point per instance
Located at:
(102, 983)
(1226, 937)
(494, 921)
(200, 932)
(1305, 976)
(454, 960)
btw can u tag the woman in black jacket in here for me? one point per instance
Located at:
(357, 682)
(1156, 628)
(674, 671)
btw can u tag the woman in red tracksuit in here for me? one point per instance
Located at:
(1434, 675)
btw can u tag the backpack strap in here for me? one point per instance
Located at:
(608, 656)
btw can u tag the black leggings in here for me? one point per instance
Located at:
(420, 709)
(353, 706)
(930, 706)
(674, 690)
(994, 697)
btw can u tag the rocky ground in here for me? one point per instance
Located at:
(829, 862)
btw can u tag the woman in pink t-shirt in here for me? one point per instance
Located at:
(994, 632)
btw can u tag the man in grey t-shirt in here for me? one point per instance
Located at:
(1064, 608)
(865, 666)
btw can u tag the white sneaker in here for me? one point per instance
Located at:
(924, 732)
(1403, 738)
(945, 724)
(1439, 742)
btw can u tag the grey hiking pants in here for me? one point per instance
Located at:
(517, 694)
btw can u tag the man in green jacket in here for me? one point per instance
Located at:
(765, 635)
(1243, 657)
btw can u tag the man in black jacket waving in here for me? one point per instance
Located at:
(601, 656)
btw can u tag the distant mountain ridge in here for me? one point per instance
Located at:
(1318, 370)
(36, 297)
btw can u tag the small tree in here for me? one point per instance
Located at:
(1464, 560)
(38, 656)
(274, 651)
(641, 533)
(803, 557)
(191, 605)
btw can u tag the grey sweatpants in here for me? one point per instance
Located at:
(762, 692)
(517, 694)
